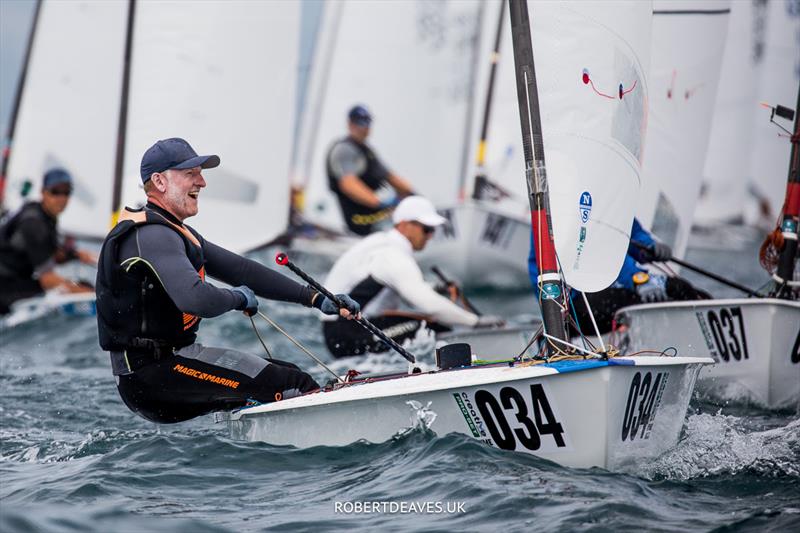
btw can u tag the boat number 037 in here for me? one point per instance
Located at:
(529, 427)
(644, 398)
(727, 328)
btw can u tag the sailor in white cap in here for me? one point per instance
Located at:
(381, 274)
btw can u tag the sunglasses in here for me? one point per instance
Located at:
(63, 191)
(427, 229)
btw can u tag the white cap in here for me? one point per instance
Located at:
(417, 209)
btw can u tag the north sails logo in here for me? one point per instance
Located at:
(585, 206)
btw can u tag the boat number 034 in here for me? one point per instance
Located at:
(727, 330)
(644, 397)
(530, 426)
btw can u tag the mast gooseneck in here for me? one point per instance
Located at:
(551, 288)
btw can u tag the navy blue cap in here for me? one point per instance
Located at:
(56, 176)
(173, 153)
(360, 116)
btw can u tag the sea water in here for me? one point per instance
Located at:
(73, 458)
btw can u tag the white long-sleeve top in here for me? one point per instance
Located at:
(381, 271)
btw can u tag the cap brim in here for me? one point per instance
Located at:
(432, 220)
(202, 161)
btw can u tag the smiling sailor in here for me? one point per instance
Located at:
(152, 292)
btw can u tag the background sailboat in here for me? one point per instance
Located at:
(777, 85)
(727, 167)
(688, 42)
(69, 109)
(409, 64)
(225, 79)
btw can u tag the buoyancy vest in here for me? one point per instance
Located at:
(360, 218)
(15, 262)
(133, 308)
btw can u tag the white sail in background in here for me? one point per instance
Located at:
(504, 162)
(69, 111)
(688, 41)
(592, 60)
(223, 76)
(409, 64)
(727, 166)
(777, 84)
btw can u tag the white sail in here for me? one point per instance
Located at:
(688, 41)
(591, 61)
(504, 162)
(223, 76)
(727, 166)
(409, 64)
(778, 82)
(69, 111)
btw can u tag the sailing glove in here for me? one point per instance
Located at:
(489, 321)
(250, 303)
(658, 252)
(330, 308)
(654, 289)
(391, 203)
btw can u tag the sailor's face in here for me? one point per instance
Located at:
(420, 235)
(55, 199)
(183, 189)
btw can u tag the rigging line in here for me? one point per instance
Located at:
(556, 341)
(594, 323)
(297, 343)
(253, 322)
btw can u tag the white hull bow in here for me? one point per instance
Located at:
(576, 413)
(754, 341)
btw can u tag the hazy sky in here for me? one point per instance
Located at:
(15, 25)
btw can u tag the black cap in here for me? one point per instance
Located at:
(359, 116)
(173, 153)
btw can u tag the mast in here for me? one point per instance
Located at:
(551, 289)
(12, 123)
(791, 216)
(116, 198)
(487, 108)
(462, 174)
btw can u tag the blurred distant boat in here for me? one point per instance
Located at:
(418, 67)
(30, 309)
(727, 165)
(107, 79)
(688, 44)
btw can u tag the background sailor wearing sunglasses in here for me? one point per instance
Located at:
(30, 245)
(381, 274)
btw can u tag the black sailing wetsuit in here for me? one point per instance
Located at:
(28, 241)
(151, 295)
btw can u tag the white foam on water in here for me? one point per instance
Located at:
(716, 444)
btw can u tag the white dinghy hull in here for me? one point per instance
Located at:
(481, 246)
(576, 413)
(67, 304)
(755, 343)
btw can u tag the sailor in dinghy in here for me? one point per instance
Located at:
(635, 283)
(152, 293)
(380, 272)
(30, 246)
